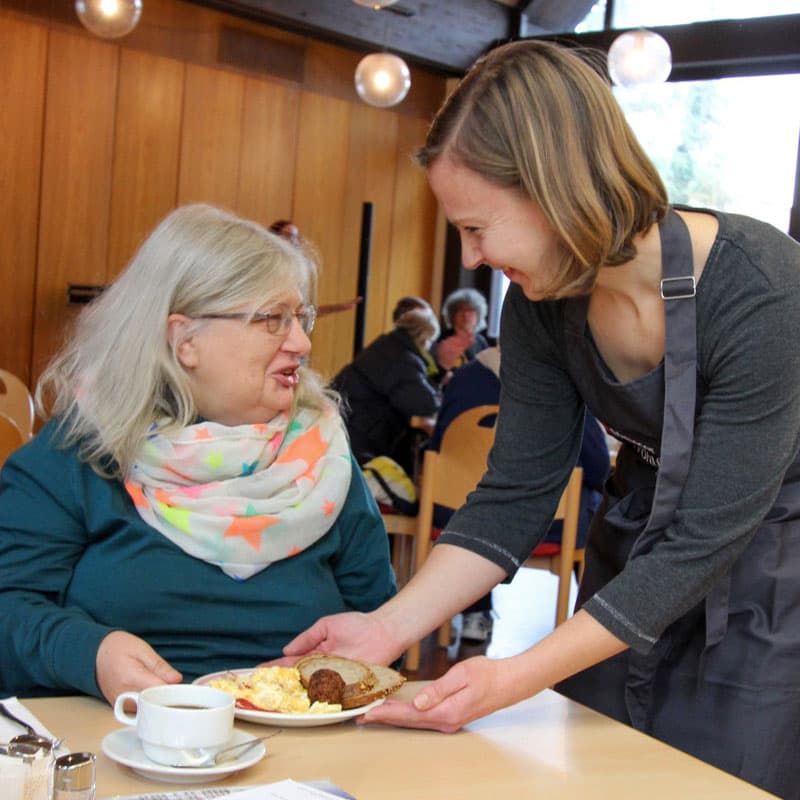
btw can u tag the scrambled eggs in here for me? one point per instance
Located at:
(273, 689)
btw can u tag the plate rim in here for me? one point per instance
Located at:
(287, 718)
(145, 764)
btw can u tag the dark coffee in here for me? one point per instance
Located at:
(187, 707)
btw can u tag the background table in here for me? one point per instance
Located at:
(545, 747)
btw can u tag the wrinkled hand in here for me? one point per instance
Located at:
(126, 663)
(352, 634)
(450, 350)
(469, 690)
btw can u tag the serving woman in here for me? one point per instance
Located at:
(676, 327)
(192, 505)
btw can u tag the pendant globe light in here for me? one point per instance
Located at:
(639, 57)
(382, 79)
(109, 19)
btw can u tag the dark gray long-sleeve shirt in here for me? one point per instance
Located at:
(747, 433)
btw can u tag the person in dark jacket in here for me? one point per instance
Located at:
(386, 385)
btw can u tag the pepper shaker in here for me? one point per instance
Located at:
(74, 777)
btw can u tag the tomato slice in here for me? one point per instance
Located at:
(246, 704)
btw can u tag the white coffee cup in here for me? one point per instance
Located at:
(179, 725)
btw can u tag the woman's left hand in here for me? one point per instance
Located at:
(469, 690)
(126, 663)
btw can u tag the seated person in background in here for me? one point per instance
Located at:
(478, 384)
(464, 314)
(406, 304)
(193, 503)
(385, 385)
(289, 231)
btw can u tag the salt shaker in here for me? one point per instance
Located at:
(74, 777)
(35, 753)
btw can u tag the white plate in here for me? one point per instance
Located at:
(288, 720)
(123, 747)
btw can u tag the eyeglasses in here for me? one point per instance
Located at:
(278, 322)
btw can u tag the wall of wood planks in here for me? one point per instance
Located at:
(101, 139)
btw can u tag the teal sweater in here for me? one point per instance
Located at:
(77, 561)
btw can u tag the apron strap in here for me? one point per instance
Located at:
(680, 376)
(677, 435)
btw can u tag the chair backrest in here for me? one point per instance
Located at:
(451, 474)
(463, 453)
(562, 562)
(11, 437)
(16, 402)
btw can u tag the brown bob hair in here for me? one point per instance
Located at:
(541, 118)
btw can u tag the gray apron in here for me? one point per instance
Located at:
(723, 681)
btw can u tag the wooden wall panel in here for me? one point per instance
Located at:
(23, 59)
(211, 135)
(371, 176)
(414, 222)
(76, 179)
(101, 139)
(319, 189)
(268, 151)
(146, 150)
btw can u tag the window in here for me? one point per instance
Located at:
(638, 13)
(729, 144)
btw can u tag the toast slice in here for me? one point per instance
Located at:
(387, 682)
(354, 673)
(364, 683)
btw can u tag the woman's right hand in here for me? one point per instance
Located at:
(352, 634)
(450, 350)
(126, 663)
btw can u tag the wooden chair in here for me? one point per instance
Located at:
(403, 530)
(402, 527)
(448, 476)
(561, 559)
(11, 437)
(16, 402)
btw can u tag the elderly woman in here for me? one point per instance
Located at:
(386, 385)
(464, 315)
(192, 505)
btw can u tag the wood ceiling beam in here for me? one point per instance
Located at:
(443, 36)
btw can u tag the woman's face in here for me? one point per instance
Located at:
(499, 227)
(239, 372)
(465, 320)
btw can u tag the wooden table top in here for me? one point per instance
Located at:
(546, 746)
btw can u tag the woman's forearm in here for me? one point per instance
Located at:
(450, 580)
(578, 643)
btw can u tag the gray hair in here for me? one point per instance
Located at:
(118, 375)
(465, 298)
(420, 324)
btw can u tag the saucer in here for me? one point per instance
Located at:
(123, 746)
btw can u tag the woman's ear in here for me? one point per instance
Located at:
(181, 340)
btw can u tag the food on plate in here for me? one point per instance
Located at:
(318, 684)
(272, 689)
(354, 673)
(326, 686)
(364, 683)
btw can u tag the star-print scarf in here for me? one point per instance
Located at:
(243, 497)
